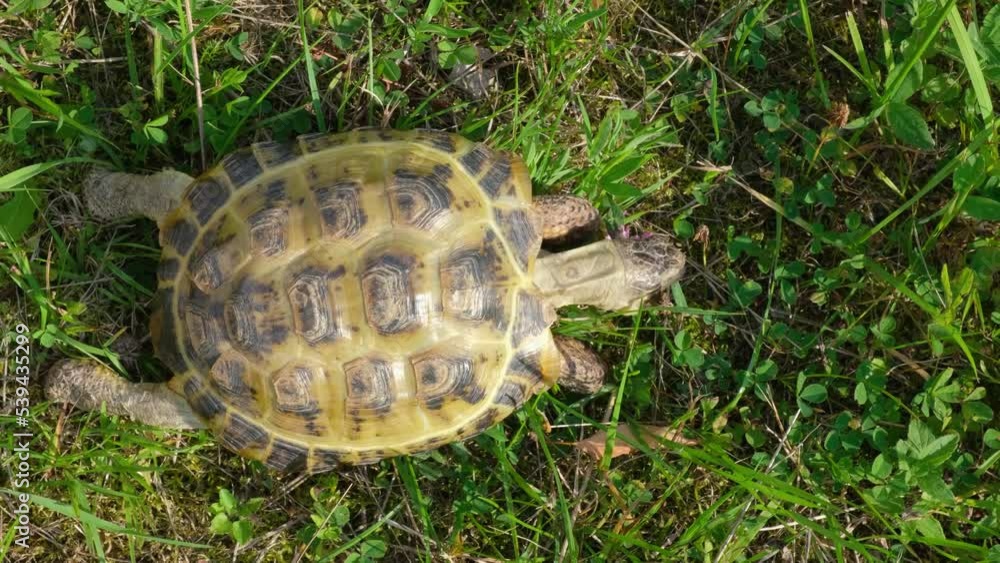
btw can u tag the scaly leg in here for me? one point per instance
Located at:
(88, 384)
(565, 218)
(581, 369)
(118, 195)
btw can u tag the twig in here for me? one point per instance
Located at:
(197, 84)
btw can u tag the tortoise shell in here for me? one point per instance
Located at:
(351, 297)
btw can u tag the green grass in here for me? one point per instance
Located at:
(831, 351)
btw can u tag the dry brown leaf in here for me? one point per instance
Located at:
(648, 435)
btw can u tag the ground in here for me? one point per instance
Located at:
(825, 375)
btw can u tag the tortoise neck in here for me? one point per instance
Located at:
(589, 275)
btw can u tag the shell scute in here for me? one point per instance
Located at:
(205, 197)
(287, 456)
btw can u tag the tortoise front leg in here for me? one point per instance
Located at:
(565, 218)
(117, 195)
(580, 369)
(88, 384)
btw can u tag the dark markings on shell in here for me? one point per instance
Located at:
(230, 376)
(181, 236)
(487, 419)
(422, 201)
(520, 233)
(438, 139)
(274, 153)
(253, 317)
(293, 391)
(526, 365)
(368, 458)
(496, 176)
(241, 167)
(269, 231)
(325, 460)
(313, 312)
(213, 267)
(276, 191)
(286, 456)
(468, 290)
(203, 402)
(431, 443)
(167, 269)
(473, 161)
(240, 322)
(390, 304)
(317, 142)
(312, 429)
(340, 209)
(369, 386)
(441, 376)
(166, 343)
(510, 394)
(241, 434)
(530, 320)
(473, 394)
(203, 332)
(206, 197)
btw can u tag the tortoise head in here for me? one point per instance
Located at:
(651, 263)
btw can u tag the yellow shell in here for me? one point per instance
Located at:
(356, 296)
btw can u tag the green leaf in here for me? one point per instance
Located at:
(881, 468)
(814, 393)
(772, 122)
(969, 173)
(934, 487)
(694, 357)
(939, 450)
(989, 35)
(929, 527)
(220, 524)
(982, 208)
(992, 439)
(157, 135)
(433, 7)
(468, 54)
(242, 531)
(978, 412)
(227, 500)
(117, 6)
(683, 228)
(910, 83)
(942, 88)
(622, 190)
(389, 70)
(909, 126)
(22, 175)
(745, 292)
(159, 121)
(623, 169)
(20, 122)
(682, 340)
(18, 214)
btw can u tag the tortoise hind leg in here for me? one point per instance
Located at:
(565, 218)
(117, 195)
(88, 384)
(580, 369)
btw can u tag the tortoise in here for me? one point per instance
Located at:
(350, 297)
